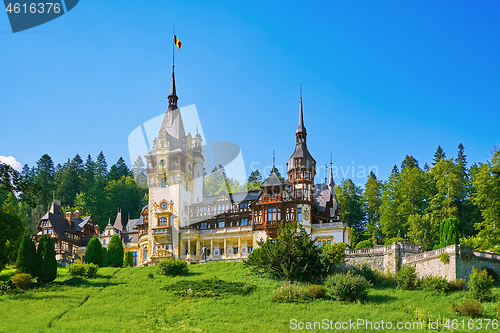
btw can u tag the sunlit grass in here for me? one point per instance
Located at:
(127, 300)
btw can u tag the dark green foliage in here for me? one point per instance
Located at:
(347, 287)
(21, 280)
(365, 243)
(471, 309)
(150, 275)
(119, 170)
(213, 287)
(480, 284)
(115, 251)
(292, 292)
(104, 257)
(449, 232)
(393, 240)
(94, 252)
(457, 284)
(26, 256)
(83, 270)
(11, 230)
(316, 291)
(434, 283)
(129, 259)
(333, 256)
(7, 287)
(349, 196)
(292, 256)
(172, 267)
(364, 270)
(46, 264)
(406, 277)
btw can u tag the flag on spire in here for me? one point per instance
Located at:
(177, 42)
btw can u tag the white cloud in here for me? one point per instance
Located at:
(10, 160)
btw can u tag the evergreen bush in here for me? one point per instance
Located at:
(471, 309)
(90, 270)
(104, 257)
(129, 259)
(172, 267)
(22, 280)
(115, 251)
(316, 291)
(347, 287)
(406, 278)
(364, 270)
(480, 284)
(457, 284)
(26, 256)
(77, 269)
(46, 264)
(291, 292)
(93, 254)
(434, 283)
(363, 244)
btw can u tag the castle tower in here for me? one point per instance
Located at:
(301, 169)
(175, 181)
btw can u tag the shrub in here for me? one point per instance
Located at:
(129, 259)
(471, 309)
(292, 256)
(22, 280)
(104, 257)
(365, 270)
(458, 284)
(7, 287)
(76, 269)
(93, 254)
(393, 240)
(332, 256)
(347, 287)
(291, 292)
(115, 251)
(316, 291)
(172, 267)
(26, 256)
(445, 258)
(434, 283)
(480, 284)
(46, 264)
(406, 277)
(365, 243)
(90, 270)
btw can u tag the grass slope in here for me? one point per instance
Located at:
(126, 300)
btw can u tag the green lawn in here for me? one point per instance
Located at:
(126, 300)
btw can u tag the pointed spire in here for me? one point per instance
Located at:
(331, 182)
(301, 129)
(172, 98)
(274, 160)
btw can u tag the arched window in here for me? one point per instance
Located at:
(145, 253)
(163, 221)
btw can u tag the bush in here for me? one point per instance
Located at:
(129, 259)
(7, 287)
(76, 269)
(445, 258)
(468, 308)
(406, 277)
(83, 270)
(46, 264)
(458, 284)
(347, 287)
(93, 254)
(365, 243)
(291, 292)
(115, 251)
(104, 257)
(316, 291)
(90, 270)
(365, 270)
(333, 255)
(22, 280)
(393, 240)
(173, 267)
(435, 283)
(480, 284)
(26, 256)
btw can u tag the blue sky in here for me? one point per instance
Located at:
(381, 79)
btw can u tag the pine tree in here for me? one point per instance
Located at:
(101, 177)
(104, 257)
(93, 254)
(115, 251)
(449, 232)
(119, 170)
(438, 155)
(44, 176)
(129, 259)
(409, 162)
(349, 197)
(255, 177)
(26, 256)
(90, 173)
(139, 171)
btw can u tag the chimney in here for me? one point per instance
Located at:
(68, 217)
(76, 214)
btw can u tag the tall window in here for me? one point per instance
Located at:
(243, 221)
(299, 194)
(299, 214)
(279, 214)
(271, 214)
(145, 253)
(134, 255)
(164, 182)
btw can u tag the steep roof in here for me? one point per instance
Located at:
(306, 159)
(272, 180)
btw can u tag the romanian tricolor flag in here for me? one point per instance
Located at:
(177, 42)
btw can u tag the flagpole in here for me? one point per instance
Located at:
(173, 51)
